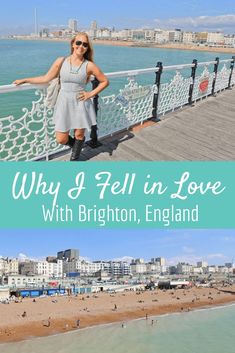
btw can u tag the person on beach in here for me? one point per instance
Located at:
(74, 108)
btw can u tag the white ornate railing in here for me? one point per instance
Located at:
(31, 136)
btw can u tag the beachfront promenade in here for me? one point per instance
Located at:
(204, 131)
(188, 110)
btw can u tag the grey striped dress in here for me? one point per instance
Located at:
(69, 112)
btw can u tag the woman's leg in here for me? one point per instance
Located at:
(78, 143)
(79, 134)
(64, 138)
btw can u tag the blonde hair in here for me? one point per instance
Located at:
(89, 52)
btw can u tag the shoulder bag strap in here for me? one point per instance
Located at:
(61, 66)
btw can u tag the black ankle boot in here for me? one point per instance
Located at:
(77, 147)
(70, 141)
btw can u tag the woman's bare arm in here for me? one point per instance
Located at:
(94, 70)
(52, 73)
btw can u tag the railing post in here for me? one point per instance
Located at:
(231, 71)
(216, 65)
(157, 83)
(94, 143)
(193, 75)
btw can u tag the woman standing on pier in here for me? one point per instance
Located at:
(74, 108)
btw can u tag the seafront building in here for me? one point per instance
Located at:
(68, 268)
(68, 255)
(142, 35)
(9, 266)
(49, 269)
(21, 281)
(73, 25)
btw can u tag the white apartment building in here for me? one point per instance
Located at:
(82, 267)
(21, 281)
(9, 267)
(161, 36)
(183, 268)
(229, 41)
(149, 35)
(215, 38)
(125, 34)
(138, 266)
(12, 267)
(188, 37)
(73, 25)
(113, 268)
(175, 36)
(49, 269)
(119, 268)
(103, 33)
(138, 34)
(153, 268)
(94, 25)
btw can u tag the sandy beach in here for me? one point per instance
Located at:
(176, 46)
(125, 43)
(52, 315)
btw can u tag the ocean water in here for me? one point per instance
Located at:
(205, 330)
(33, 58)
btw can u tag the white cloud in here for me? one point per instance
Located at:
(229, 239)
(124, 259)
(190, 259)
(213, 22)
(213, 259)
(187, 249)
(22, 257)
(84, 258)
(217, 256)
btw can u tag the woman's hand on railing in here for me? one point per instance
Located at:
(19, 82)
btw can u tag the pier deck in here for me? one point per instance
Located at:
(205, 131)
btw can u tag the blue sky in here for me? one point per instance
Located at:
(18, 16)
(214, 246)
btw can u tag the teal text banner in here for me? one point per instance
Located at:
(117, 195)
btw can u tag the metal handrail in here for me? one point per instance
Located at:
(28, 86)
(133, 104)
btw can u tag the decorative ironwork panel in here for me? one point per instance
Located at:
(203, 84)
(133, 104)
(222, 78)
(233, 77)
(174, 94)
(29, 137)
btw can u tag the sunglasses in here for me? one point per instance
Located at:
(79, 42)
